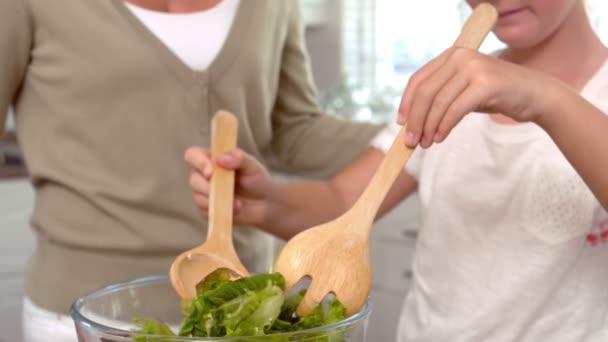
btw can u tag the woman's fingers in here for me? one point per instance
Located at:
(252, 182)
(242, 162)
(200, 194)
(245, 212)
(248, 212)
(199, 158)
(199, 184)
(202, 203)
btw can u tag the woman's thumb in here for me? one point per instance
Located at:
(240, 161)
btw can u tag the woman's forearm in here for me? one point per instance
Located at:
(580, 130)
(295, 206)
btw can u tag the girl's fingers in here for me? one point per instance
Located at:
(457, 88)
(414, 82)
(444, 98)
(469, 100)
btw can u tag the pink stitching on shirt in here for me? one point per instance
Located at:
(601, 235)
(593, 239)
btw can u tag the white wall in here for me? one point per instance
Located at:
(323, 42)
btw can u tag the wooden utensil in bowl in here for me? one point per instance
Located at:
(336, 254)
(193, 265)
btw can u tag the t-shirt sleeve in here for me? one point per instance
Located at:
(385, 138)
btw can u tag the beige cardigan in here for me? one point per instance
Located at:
(104, 112)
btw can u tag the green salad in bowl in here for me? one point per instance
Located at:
(254, 308)
(251, 306)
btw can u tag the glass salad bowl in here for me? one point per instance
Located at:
(107, 315)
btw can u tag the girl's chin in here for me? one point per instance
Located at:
(516, 39)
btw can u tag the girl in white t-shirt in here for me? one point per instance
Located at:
(514, 240)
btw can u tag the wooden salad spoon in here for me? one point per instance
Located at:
(336, 254)
(193, 265)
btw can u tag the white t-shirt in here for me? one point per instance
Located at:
(195, 38)
(503, 253)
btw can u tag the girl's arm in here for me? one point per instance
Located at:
(580, 130)
(462, 81)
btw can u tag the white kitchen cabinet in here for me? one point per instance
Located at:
(385, 317)
(16, 245)
(391, 263)
(313, 12)
(391, 247)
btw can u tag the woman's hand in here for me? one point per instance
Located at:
(461, 81)
(252, 183)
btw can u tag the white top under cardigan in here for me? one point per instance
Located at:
(195, 38)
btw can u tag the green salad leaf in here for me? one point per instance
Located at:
(249, 306)
(151, 327)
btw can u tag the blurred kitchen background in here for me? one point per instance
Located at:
(363, 52)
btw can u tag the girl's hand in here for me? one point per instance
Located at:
(461, 81)
(252, 183)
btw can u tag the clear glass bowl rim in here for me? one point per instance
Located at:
(77, 316)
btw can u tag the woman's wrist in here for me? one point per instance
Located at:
(273, 207)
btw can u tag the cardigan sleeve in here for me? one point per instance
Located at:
(15, 44)
(304, 138)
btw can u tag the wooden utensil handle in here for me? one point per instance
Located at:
(477, 27)
(474, 31)
(224, 128)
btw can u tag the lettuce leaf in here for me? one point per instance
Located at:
(221, 304)
(151, 327)
(250, 306)
(259, 322)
